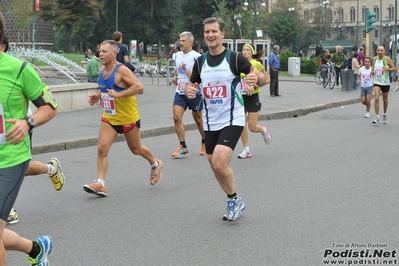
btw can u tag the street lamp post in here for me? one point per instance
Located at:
(325, 3)
(336, 27)
(238, 19)
(255, 14)
(387, 25)
(291, 9)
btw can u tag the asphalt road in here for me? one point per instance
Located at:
(326, 184)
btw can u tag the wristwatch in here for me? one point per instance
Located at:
(31, 122)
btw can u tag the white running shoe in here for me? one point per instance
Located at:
(266, 135)
(367, 115)
(384, 119)
(234, 209)
(245, 154)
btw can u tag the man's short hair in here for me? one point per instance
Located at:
(222, 24)
(117, 36)
(2, 27)
(112, 43)
(361, 48)
(189, 35)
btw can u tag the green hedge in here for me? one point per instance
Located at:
(308, 66)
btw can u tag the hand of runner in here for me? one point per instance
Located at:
(191, 90)
(251, 79)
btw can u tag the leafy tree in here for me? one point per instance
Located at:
(69, 13)
(285, 30)
(204, 9)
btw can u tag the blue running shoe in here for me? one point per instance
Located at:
(46, 245)
(234, 209)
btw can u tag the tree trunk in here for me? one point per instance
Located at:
(68, 48)
(159, 47)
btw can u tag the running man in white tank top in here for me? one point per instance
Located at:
(218, 72)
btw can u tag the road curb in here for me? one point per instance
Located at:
(69, 145)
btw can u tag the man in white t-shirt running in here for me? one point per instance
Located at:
(365, 81)
(185, 59)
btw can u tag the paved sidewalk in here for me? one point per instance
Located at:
(79, 128)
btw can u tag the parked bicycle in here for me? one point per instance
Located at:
(329, 76)
(326, 76)
(150, 70)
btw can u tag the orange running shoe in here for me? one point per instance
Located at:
(156, 173)
(202, 152)
(96, 188)
(180, 151)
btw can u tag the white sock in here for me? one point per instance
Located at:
(155, 165)
(101, 181)
(384, 114)
(246, 149)
(51, 168)
(377, 116)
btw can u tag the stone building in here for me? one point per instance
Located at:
(43, 30)
(346, 18)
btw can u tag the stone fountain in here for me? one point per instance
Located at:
(66, 79)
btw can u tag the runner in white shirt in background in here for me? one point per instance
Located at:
(365, 81)
(184, 64)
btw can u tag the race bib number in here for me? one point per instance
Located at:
(215, 92)
(181, 85)
(379, 73)
(2, 126)
(244, 87)
(108, 104)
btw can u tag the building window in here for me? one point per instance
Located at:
(352, 33)
(306, 15)
(352, 14)
(341, 15)
(363, 13)
(391, 13)
(364, 34)
(376, 35)
(377, 13)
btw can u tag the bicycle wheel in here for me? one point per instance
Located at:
(317, 77)
(326, 79)
(141, 71)
(332, 80)
(153, 72)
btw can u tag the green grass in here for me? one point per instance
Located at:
(77, 58)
